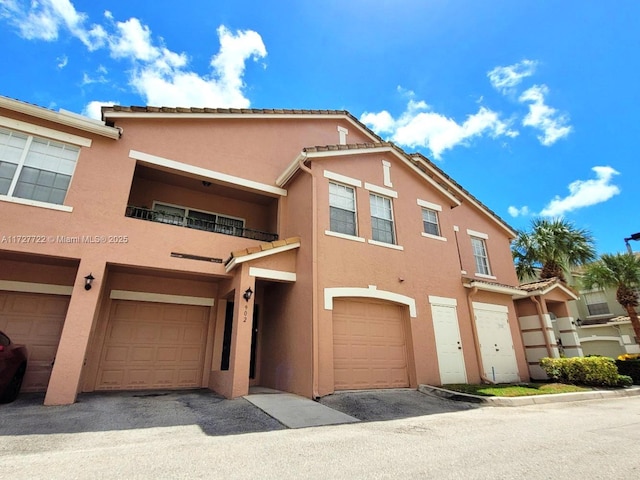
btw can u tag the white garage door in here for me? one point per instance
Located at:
(34, 320)
(496, 343)
(153, 346)
(369, 345)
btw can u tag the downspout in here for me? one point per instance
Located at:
(545, 334)
(314, 268)
(476, 340)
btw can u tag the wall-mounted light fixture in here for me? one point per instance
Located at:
(88, 280)
(633, 236)
(578, 322)
(247, 294)
(206, 184)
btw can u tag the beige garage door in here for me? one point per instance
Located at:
(152, 346)
(34, 320)
(369, 346)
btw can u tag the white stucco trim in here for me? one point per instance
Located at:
(492, 307)
(161, 298)
(270, 274)
(30, 287)
(35, 203)
(204, 172)
(597, 338)
(344, 236)
(381, 190)
(449, 302)
(386, 245)
(430, 205)
(484, 275)
(474, 233)
(371, 292)
(435, 237)
(354, 182)
(39, 131)
(386, 174)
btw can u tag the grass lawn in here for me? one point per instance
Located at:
(516, 389)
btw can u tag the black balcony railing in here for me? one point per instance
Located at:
(224, 226)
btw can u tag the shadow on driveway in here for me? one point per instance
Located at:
(104, 411)
(380, 405)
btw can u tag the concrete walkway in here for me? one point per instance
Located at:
(294, 411)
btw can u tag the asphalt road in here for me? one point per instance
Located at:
(595, 439)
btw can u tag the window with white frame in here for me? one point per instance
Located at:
(381, 219)
(480, 255)
(430, 222)
(596, 303)
(342, 209)
(35, 168)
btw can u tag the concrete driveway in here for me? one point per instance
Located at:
(215, 415)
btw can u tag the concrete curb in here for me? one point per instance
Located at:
(530, 400)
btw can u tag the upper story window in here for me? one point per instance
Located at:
(596, 303)
(480, 255)
(430, 222)
(342, 209)
(381, 219)
(35, 168)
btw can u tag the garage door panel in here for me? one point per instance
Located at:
(369, 345)
(153, 346)
(34, 320)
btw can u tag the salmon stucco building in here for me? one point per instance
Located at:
(171, 248)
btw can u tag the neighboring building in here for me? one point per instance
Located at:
(604, 327)
(291, 249)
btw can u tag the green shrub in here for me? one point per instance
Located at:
(631, 368)
(624, 381)
(595, 371)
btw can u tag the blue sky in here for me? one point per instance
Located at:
(529, 105)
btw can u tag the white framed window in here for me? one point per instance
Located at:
(596, 303)
(430, 222)
(198, 219)
(382, 229)
(342, 209)
(35, 168)
(480, 255)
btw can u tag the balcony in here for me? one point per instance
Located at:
(174, 198)
(223, 225)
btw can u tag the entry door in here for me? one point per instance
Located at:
(448, 344)
(496, 343)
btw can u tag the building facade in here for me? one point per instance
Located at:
(168, 248)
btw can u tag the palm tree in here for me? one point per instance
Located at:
(622, 272)
(553, 246)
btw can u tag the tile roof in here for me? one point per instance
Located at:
(538, 284)
(187, 110)
(263, 247)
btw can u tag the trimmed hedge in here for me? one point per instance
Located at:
(593, 371)
(630, 368)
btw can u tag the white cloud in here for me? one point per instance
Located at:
(418, 126)
(162, 80)
(584, 193)
(62, 61)
(43, 20)
(553, 124)
(504, 79)
(518, 212)
(93, 109)
(160, 75)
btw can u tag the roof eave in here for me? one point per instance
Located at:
(62, 117)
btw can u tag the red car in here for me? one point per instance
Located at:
(13, 364)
